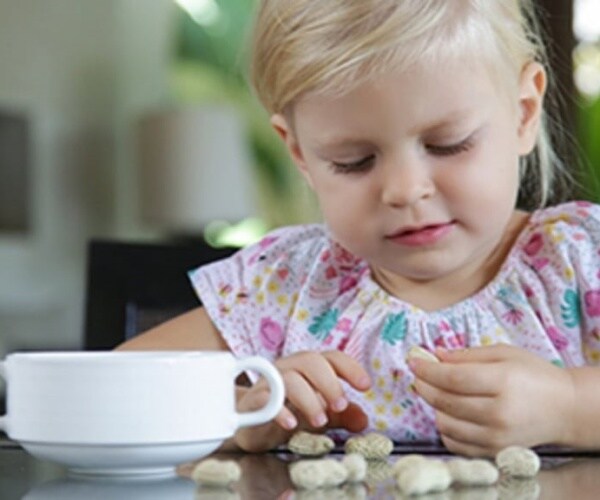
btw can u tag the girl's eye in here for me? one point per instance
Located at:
(355, 166)
(450, 149)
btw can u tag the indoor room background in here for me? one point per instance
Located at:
(98, 97)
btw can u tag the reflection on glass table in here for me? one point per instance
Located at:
(74, 488)
(265, 476)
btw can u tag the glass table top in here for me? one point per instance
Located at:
(265, 476)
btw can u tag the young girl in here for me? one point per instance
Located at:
(417, 124)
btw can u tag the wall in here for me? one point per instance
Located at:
(82, 70)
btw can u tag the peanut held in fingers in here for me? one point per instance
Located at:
(472, 472)
(370, 446)
(213, 472)
(518, 462)
(308, 444)
(317, 473)
(417, 352)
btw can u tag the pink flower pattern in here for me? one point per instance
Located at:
(264, 300)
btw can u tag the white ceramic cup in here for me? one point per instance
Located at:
(126, 411)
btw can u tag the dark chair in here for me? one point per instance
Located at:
(134, 286)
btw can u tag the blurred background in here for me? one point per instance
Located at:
(108, 107)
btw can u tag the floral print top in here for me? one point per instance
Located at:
(298, 290)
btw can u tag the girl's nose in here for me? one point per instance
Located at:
(406, 184)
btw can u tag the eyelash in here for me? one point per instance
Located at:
(365, 163)
(452, 149)
(353, 167)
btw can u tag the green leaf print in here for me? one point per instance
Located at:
(570, 309)
(323, 324)
(394, 328)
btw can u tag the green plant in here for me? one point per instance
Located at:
(589, 136)
(587, 71)
(210, 66)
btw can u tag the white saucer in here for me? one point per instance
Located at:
(121, 460)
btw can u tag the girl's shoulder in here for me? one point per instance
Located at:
(286, 259)
(565, 225)
(289, 245)
(282, 284)
(564, 238)
(572, 213)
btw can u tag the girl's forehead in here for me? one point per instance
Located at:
(451, 85)
(410, 104)
(447, 93)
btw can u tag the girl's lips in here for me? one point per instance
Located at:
(422, 236)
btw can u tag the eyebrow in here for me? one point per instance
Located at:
(334, 143)
(457, 116)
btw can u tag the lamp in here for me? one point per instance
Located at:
(194, 168)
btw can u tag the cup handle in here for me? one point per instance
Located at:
(3, 374)
(276, 398)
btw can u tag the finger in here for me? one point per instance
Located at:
(259, 398)
(353, 419)
(287, 494)
(320, 374)
(463, 431)
(471, 408)
(475, 379)
(304, 398)
(465, 449)
(348, 369)
(286, 419)
(479, 354)
(324, 370)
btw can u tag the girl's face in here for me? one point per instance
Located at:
(418, 173)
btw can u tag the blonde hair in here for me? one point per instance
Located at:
(332, 46)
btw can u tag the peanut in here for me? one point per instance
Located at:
(424, 476)
(356, 465)
(372, 445)
(417, 352)
(213, 472)
(518, 462)
(307, 444)
(472, 472)
(317, 473)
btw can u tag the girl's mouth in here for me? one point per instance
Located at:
(426, 235)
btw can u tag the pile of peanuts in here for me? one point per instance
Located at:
(413, 474)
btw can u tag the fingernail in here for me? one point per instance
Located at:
(291, 423)
(340, 404)
(320, 420)
(286, 495)
(364, 382)
(412, 363)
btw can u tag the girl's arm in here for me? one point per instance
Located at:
(312, 383)
(583, 429)
(190, 331)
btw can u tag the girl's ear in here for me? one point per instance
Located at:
(284, 129)
(531, 100)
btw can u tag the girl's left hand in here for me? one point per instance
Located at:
(487, 398)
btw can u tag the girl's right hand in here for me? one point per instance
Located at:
(315, 399)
